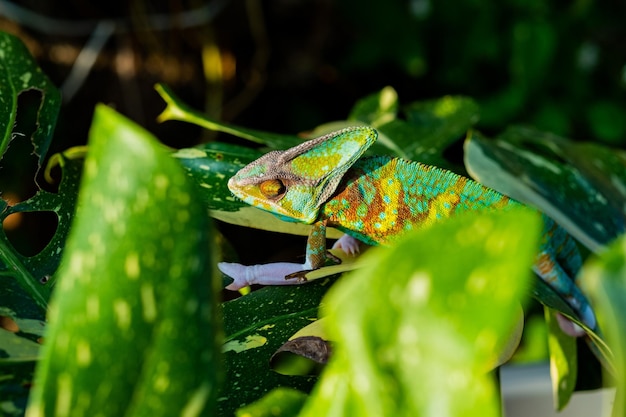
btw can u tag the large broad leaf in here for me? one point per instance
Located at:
(255, 326)
(604, 279)
(18, 74)
(416, 335)
(133, 325)
(581, 186)
(27, 280)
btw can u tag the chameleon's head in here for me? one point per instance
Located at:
(295, 183)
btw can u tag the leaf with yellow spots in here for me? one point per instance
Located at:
(133, 324)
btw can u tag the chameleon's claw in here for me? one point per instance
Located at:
(299, 276)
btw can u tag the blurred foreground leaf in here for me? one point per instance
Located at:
(416, 335)
(133, 327)
(604, 279)
(280, 402)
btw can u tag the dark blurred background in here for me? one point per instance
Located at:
(287, 66)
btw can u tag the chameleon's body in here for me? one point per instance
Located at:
(376, 199)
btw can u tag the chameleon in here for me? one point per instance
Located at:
(327, 182)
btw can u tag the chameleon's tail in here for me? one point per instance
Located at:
(558, 264)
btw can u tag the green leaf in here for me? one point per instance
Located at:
(280, 402)
(604, 279)
(571, 183)
(19, 347)
(20, 73)
(256, 325)
(27, 283)
(133, 325)
(441, 121)
(431, 127)
(177, 110)
(563, 363)
(416, 335)
(210, 166)
(376, 109)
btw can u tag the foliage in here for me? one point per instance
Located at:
(134, 301)
(555, 65)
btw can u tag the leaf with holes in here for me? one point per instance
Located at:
(133, 324)
(36, 273)
(20, 73)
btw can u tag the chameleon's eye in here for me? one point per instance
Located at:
(272, 188)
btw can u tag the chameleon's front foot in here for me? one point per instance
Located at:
(267, 274)
(300, 276)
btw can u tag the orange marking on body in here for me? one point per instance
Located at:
(544, 264)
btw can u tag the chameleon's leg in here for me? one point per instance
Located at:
(281, 273)
(316, 252)
(267, 274)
